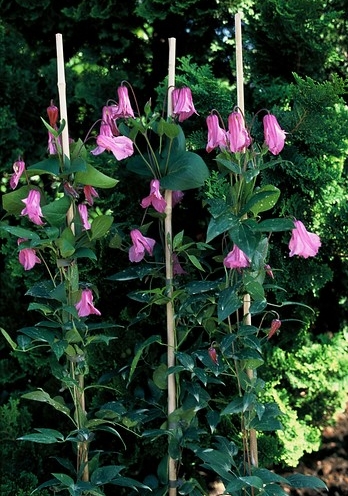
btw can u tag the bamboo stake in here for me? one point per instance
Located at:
(62, 94)
(246, 301)
(171, 341)
(79, 394)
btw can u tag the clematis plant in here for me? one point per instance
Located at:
(55, 235)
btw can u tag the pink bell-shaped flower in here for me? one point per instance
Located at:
(141, 244)
(274, 134)
(155, 198)
(236, 259)
(18, 169)
(124, 108)
(83, 211)
(303, 243)
(85, 306)
(238, 133)
(32, 208)
(27, 256)
(182, 101)
(216, 135)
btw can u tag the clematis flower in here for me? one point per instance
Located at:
(236, 259)
(83, 211)
(269, 271)
(302, 242)
(27, 256)
(33, 209)
(274, 134)
(85, 306)
(177, 269)
(216, 135)
(124, 108)
(155, 198)
(238, 134)
(177, 197)
(18, 169)
(182, 101)
(140, 245)
(109, 116)
(120, 146)
(90, 193)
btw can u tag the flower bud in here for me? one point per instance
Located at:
(213, 355)
(275, 324)
(52, 112)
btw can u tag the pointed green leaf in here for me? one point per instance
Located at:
(275, 225)
(301, 481)
(220, 224)
(229, 301)
(139, 351)
(186, 170)
(95, 178)
(8, 339)
(100, 226)
(44, 397)
(44, 436)
(263, 199)
(20, 232)
(55, 212)
(48, 166)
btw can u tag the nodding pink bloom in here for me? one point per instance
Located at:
(177, 197)
(33, 209)
(236, 259)
(177, 269)
(52, 112)
(83, 211)
(303, 243)
(90, 193)
(216, 135)
(18, 169)
(109, 119)
(238, 134)
(85, 306)
(27, 256)
(140, 245)
(274, 134)
(124, 108)
(70, 190)
(182, 102)
(120, 146)
(269, 271)
(155, 198)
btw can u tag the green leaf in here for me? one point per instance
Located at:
(274, 490)
(103, 475)
(20, 232)
(301, 481)
(44, 436)
(64, 479)
(263, 199)
(100, 226)
(228, 302)
(186, 360)
(274, 225)
(244, 237)
(139, 351)
(48, 166)
(170, 129)
(95, 178)
(213, 419)
(44, 397)
(159, 376)
(186, 170)
(194, 260)
(224, 222)
(242, 482)
(8, 339)
(55, 212)
(85, 253)
(268, 476)
(235, 406)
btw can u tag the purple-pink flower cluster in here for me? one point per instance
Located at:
(237, 138)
